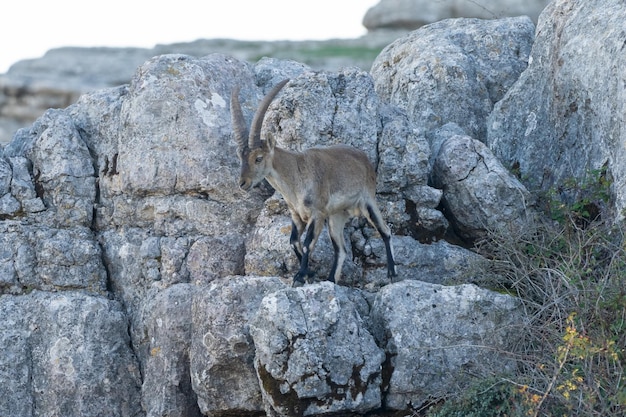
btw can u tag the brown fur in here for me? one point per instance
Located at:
(320, 185)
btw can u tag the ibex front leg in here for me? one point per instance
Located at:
(297, 229)
(314, 229)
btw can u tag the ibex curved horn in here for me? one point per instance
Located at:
(257, 122)
(239, 124)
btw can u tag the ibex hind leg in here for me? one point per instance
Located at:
(313, 232)
(376, 219)
(335, 231)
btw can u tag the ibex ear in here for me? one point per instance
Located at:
(270, 142)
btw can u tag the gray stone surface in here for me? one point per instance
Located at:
(440, 338)
(50, 344)
(479, 194)
(313, 354)
(222, 349)
(453, 71)
(165, 353)
(438, 263)
(564, 118)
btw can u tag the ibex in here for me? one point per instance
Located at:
(320, 185)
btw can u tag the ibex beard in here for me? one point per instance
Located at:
(321, 185)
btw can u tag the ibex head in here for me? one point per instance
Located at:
(256, 155)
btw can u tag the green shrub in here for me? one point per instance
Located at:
(488, 398)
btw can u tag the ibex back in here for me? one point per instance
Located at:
(320, 185)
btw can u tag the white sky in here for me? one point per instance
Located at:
(29, 28)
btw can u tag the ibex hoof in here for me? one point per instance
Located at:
(392, 275)
(297, 283)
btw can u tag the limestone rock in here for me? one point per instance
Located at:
(222, 349)
(563, 119)
(438, 263)
(313, 354)
(322, 109)
(165, 355)
(66, 354)
(45, 258)
(479, 194)
(453, 70)
(437, 338)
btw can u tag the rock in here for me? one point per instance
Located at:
(313, 354)
(321, 109)
(438, 339)
(45, 258)
(562, 119)
(66, 354)
(453, 71)
(411, 14)
(165, 354)
(62, 75)
(403, 154)
(479, 194)
(407, 202)
(222, 350)
(438, 263)
(60, 170)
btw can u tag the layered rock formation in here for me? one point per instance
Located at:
(138, 280)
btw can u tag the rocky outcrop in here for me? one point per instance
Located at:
(136, 279)
(62, 75)
(565, 117)
(411, 14)
(131, 193)
(436, 336)
(479, 194)
(470, 62)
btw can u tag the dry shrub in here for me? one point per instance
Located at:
(571, 276)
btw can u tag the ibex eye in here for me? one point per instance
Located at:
(258, 159)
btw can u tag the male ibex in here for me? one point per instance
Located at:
(321, 184)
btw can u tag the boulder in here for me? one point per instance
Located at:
(320, 109)
(479, 194)
(165, 353)
(222, 349)
(438, 262)
(564, 117)
(411, 14)
(313, 353)
(66, 354)
(453, 71)
(438, 339)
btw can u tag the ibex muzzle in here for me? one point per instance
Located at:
(320, 185)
